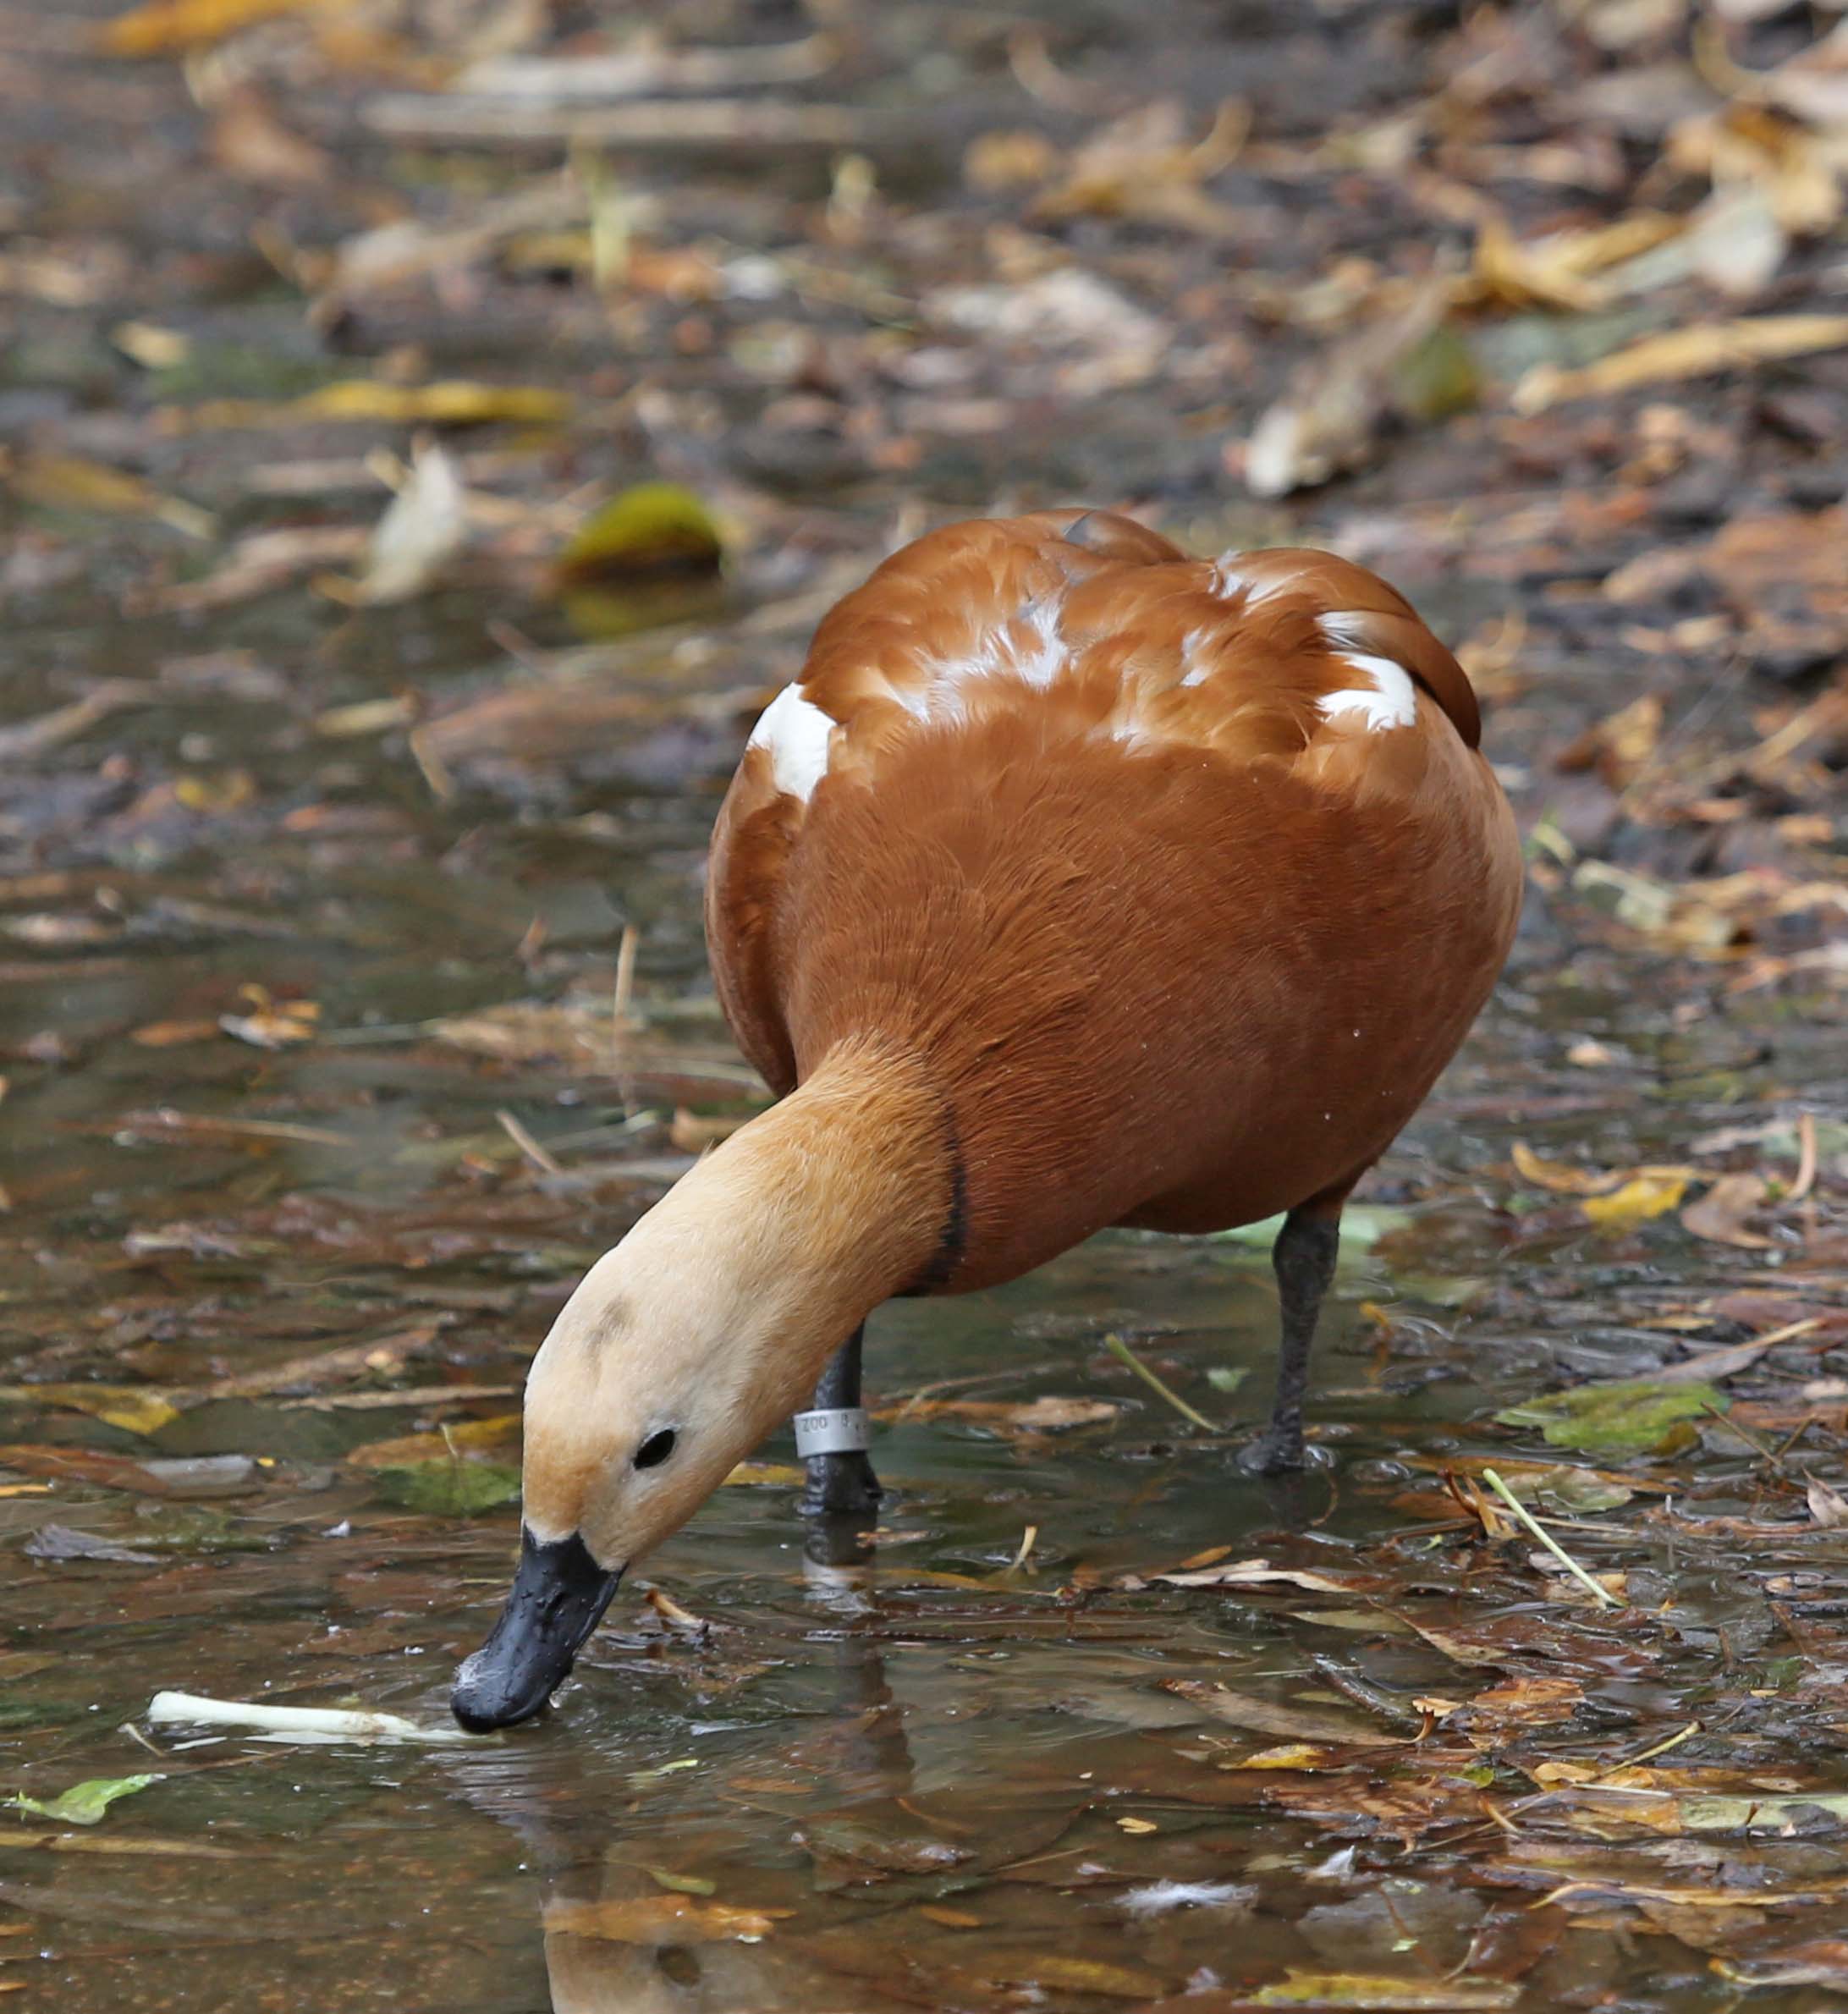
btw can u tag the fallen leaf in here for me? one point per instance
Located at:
(61, 1542)
(1331, 418)
(1650, 1192)
(1261, 1716)
(1721, 1214)
(661, 1919)
(134, 1408)
(775, 1475)
(1828, 1507)
(1365, 1990)
(1560, 1177)
(1682, 353)
(64, 481)
(1628, 1416)
(407, 1451)
(1259, 1573)
(168, 27)
(1074, 1975)
(84, 1804)
(449, 1489)
(446, 402)
(682, 1884)
(654, 527)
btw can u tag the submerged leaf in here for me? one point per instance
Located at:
(661, 1919)
(450, 1488)
(1362, 1989)
(84, 1804)
(134, 1408)
(1631, 1416)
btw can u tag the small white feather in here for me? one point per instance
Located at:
(1390, 702)
(795, 731)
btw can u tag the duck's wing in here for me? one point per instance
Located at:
(1086, 624)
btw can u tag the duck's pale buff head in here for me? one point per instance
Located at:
(679, 1351)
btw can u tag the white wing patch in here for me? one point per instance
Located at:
(1392, 700)
(795, 731)
(1027, 646)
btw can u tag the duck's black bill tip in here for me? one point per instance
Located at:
(558, 1597)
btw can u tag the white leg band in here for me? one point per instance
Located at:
(836, 1430)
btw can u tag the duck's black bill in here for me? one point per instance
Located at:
(559, 1594)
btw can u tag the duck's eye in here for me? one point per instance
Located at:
(655, 1450)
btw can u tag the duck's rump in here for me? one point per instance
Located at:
(1155, 986)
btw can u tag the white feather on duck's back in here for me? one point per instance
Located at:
(1391, 701)
(795, 731)
(1027, 645)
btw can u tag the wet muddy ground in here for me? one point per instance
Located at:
(353, 998)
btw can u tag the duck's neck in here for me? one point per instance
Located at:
(809, 1217)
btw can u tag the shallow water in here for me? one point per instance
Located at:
(998, 1762)
(947, 1776)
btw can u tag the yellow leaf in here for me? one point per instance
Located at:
(409, 1448)
(780, 1475)
(653, 527)
(1079, 1975)
(134, 1408)
(1362, 1989)
(1682, 353)
(68, 482)
(449, 402)
(1291, 1755)
(1650, 1192)
(1137, 1826)
(166, 27)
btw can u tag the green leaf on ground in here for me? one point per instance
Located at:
(84, 1804)
(653, 527)
(1631, 1416)
(449, 1489)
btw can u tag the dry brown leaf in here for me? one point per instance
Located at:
(1682, 353)
(1828, 1507)
(1330, 419)
(1721, 1214)
(1049, 1415)
(1558, 271)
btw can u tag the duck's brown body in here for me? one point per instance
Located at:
(1175, 948)
(1075, 883)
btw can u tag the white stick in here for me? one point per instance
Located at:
(188, 1709)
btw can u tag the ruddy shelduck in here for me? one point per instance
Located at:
(1075, 882)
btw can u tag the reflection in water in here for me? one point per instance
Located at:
(616, 1937)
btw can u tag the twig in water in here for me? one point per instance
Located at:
(1122, 1351)
(545, 1163)
(1631, 1762)
(305, 1722)
(1027, 1543)
(1606, 1598)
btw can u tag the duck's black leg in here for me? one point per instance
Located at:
(832, 1439)
(1304, 1259)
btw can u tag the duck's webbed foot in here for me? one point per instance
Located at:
(1303, 1259)
(831, 1438)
